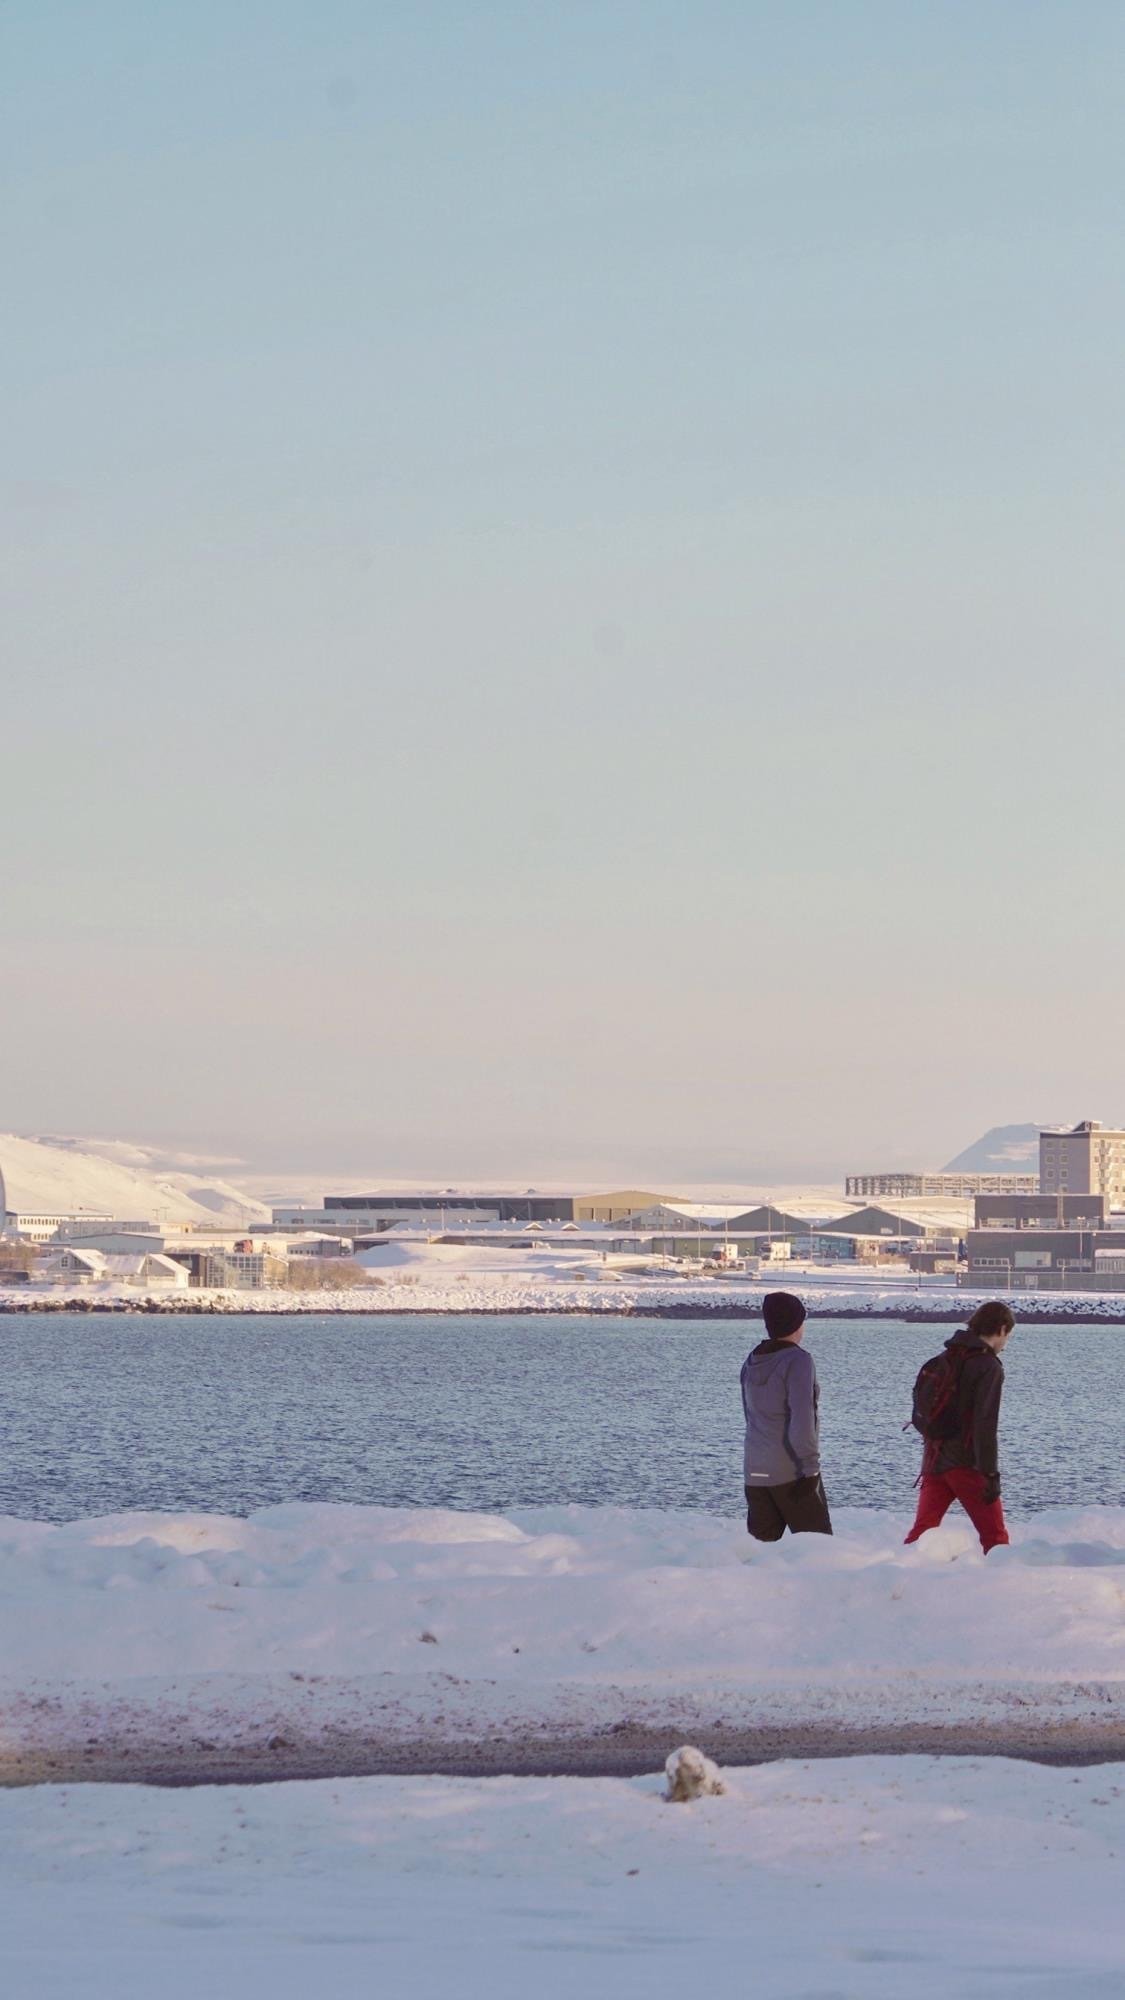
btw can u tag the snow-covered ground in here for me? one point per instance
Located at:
(858, 1879)
(186, 1642)
(156, 1636)
(448, 1266)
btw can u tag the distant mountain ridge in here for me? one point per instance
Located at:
(1006, 1149)
(59, 1175)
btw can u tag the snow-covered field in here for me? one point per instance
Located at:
(857, 1879)
(193, 1644)
(199, 1643)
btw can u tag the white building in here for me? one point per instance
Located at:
(148, 1271)
(33, 1226)
(73, 1267)
(84, 1226)
(77, 1264)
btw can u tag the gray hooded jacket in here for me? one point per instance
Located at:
(780, 1397)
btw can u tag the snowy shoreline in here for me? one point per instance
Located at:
(943, 1306)
(311, 1639)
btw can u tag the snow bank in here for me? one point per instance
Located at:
(863, 1879)
(442, 1265)
(399, 1624)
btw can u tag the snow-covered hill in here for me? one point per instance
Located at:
(64, 1176)
(190, 1174)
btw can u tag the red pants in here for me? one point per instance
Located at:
(938, 1492)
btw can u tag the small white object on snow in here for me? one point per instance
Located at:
(691, 1775)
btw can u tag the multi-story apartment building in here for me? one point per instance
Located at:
(914, 1187)
(1088, 1159)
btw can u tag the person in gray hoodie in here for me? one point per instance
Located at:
(781, 1465)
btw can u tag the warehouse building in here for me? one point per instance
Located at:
(1047, 1259)
(1041, 1211)
(460, 1208)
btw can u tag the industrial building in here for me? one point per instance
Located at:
(458, 1208)
(358, 1212)
(941, 1216)
(916, 1186)
(1045, 1259)
(1045, 1242)
(1041, 1211)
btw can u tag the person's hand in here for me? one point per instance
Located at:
(991, 1488)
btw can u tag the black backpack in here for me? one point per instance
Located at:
(937, 1395)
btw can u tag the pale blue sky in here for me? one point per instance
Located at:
(563, 580)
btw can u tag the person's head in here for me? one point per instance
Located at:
(993, 1323)
(784, 1316)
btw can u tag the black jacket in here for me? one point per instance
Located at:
(978, 1406)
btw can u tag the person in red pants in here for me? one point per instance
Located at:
(957, 1410)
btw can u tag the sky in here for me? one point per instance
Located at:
(563, 600)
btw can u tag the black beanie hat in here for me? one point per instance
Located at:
(783, 1314)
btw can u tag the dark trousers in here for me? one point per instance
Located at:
(800, 1506)
(938, 1492)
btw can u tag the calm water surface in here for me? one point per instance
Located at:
(101, 1413)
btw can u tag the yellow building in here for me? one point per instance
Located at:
(615, 1207)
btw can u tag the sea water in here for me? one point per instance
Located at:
(103, 1412)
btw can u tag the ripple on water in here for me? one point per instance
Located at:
(108, 1412)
